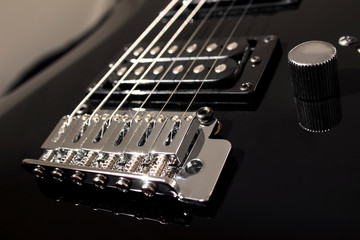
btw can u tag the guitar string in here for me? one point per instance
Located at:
(177, 33)
(121, 59)
(213, 65)
(199, 53)
(198, 28)
(185, 4)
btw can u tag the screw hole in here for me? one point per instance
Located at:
(194, 166)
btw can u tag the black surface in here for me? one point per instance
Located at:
(288, 183)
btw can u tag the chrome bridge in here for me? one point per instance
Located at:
(167, 154)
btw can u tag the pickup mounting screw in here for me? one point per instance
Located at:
(245, 86)
(255, 60)
(269, 38)
(205, 115)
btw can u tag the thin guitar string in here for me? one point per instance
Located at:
(199, 53)
(213, 65)
(198, 28)
(121, 59)
(186, 3)
(177, 33)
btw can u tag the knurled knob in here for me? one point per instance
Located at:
(314, 73)
(314, 76)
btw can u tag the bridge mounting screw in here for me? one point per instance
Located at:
(100, 181)
(205, 115)
(245, 86)
(78, 178)
(39, 171)
(148, 189)
(255, 60)
(58, 174)
(123, 184)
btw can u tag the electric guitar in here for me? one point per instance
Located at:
(210, 119)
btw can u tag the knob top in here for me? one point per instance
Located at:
(312, 53)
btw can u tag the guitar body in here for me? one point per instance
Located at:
(280, 181)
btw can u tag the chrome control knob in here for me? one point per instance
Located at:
(314, 75)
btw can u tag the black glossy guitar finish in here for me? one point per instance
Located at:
(280, 180)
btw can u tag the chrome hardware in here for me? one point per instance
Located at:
(199, 68)
(211, 47)
(155, 50)
(138, 51)
(121, 71)
(148, 189)
(347, 40)
(245, 86)
(168, 154)
(123, 184)
(84, 109)
(178, 69)
(205, 115)
(139, 70)
(269, 38)
(255, 60)
(231, 46)
(58, 174)
(220, 68)
(39, 171)
(173, 49)
(191, 48)
(158, 70)
(78, 178)
(100, 181)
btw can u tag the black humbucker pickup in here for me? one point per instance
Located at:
(238, 76)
